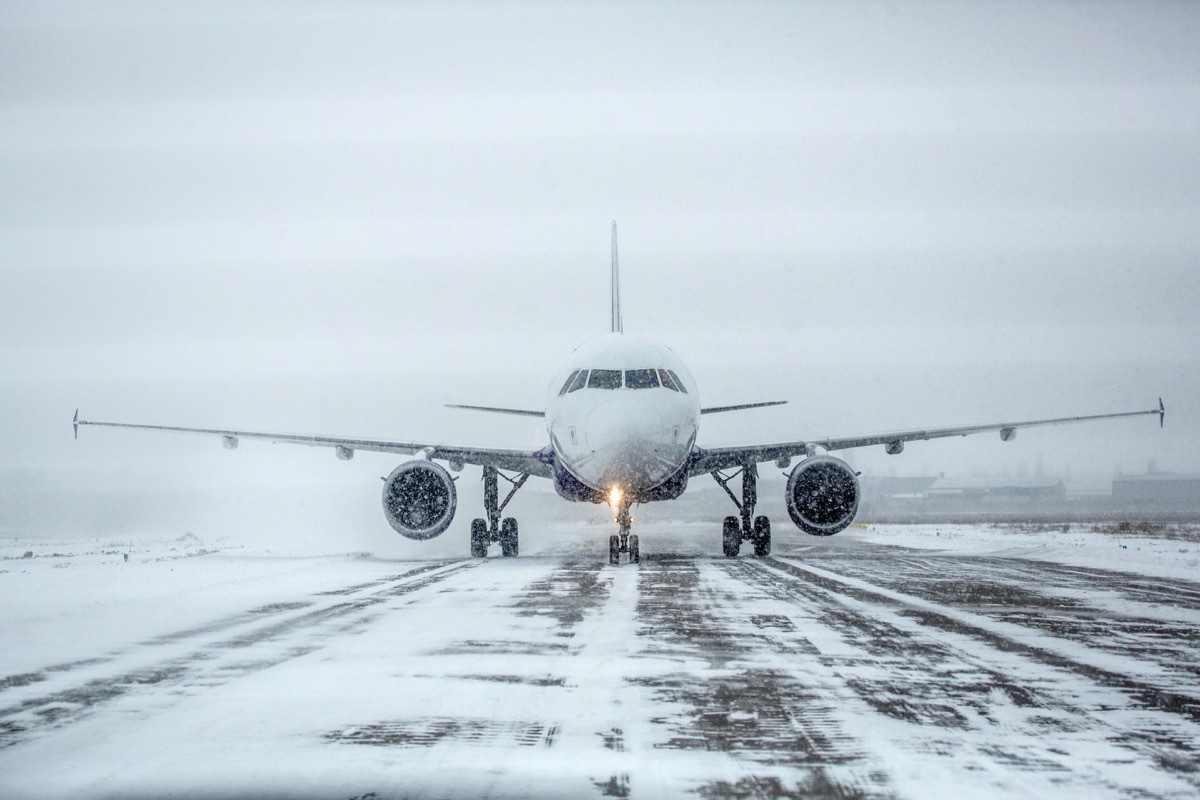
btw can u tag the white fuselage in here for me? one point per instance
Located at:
(623, 413)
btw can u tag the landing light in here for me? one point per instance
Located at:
(614, 496)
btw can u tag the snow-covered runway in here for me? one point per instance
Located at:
(848, 669)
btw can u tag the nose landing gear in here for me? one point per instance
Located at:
(493, 529)
(623, 542)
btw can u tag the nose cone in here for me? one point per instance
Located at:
(630, 445)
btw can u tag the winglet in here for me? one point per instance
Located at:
(75, 423)
(617, 327)
(1162, 412)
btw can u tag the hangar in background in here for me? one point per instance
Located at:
(1160, 491)
(923, 498)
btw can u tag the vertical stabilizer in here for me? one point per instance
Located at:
(616, 286)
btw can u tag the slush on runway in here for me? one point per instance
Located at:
(855, 669)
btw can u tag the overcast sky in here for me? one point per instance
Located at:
(335, 217)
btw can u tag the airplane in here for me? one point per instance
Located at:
(622, 417)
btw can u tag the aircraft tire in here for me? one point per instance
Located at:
(479, 538)
(762, 537)
(508, 537)
(614, 550)
(635, 555)
(731, 537)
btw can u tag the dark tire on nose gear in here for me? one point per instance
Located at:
(635, 555)
(479, 538)
(614, 550)
(762, 537)
(731, 537)
(508, 537)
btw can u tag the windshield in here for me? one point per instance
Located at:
(650, 378)
(671, 380)
(605, 379)
(641, 379)
(567, 384)
(579, 382)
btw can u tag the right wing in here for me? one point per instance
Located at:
(730, 457)
(517, 412)
(512, 460)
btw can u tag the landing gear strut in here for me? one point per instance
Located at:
(623, 542)
(749, 528)
(493, 529)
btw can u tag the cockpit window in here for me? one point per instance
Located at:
(567, 384)
(605, 379)
(668, 381)
(579, 382)
(641, 379)
(611, 379)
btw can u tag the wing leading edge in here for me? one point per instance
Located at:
(512, 460)
(517, 412)
(729, 457)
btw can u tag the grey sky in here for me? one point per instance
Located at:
(336, 217)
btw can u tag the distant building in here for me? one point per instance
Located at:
(990, 493)
(890, 487)
(917, 497)
(1162, 491)
(929, 498)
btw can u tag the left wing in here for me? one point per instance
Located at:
(743, 407)
(730, 457)
(513, 460)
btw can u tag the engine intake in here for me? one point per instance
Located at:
(419, 499)
(822, 495)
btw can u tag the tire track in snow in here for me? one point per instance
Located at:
(998, 613)
(537, 668)
(251, 617)
(212, 663)
(990, 691)
(1099, 609)
(777, 724)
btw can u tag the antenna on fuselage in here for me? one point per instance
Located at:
(616, 286)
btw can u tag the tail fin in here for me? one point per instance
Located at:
(616, 286)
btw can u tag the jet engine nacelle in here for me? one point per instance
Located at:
(419, 499)
(822, 495)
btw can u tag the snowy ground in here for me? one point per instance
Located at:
(891, 661)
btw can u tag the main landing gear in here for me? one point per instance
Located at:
(735, 531)
(623, 542)
(493, 529)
